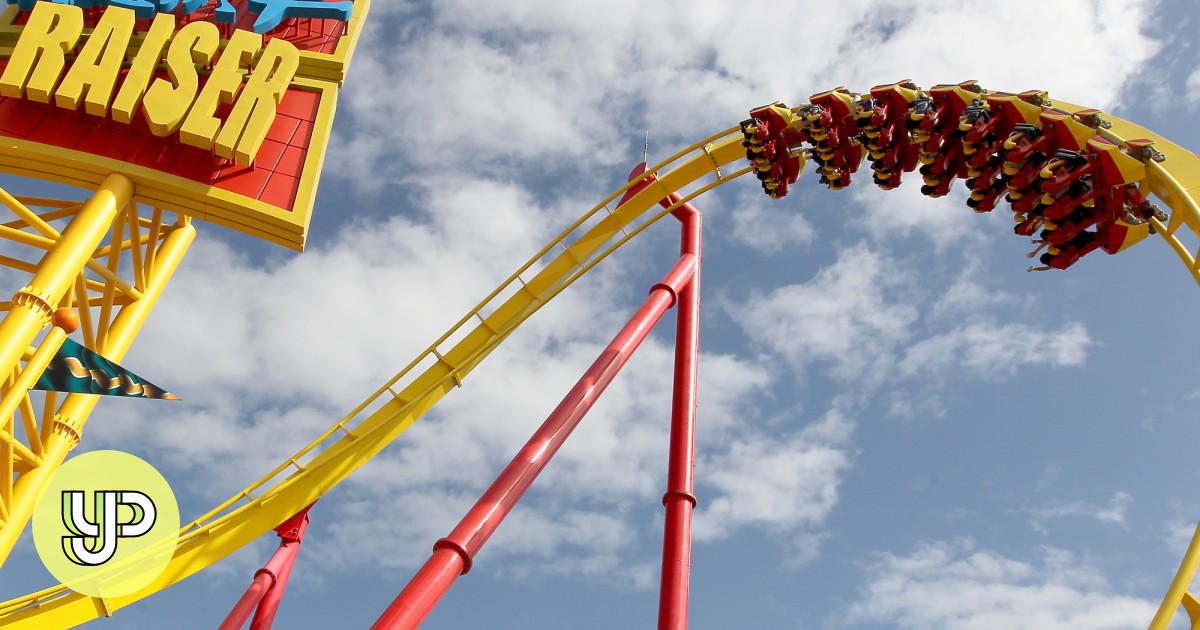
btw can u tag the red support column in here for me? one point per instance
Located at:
(270, 581)
(679, 500)
(249, 601)
(452, 556)
(265, 615)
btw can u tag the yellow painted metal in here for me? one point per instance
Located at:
(59, 432)
(8, 457)
(106, 302)
(75, 409)
(110, 276)
(25, 238)
(27, 215)
(33, 304)
(354, 439)
(1178, 589)
(48, 406)
(17, 450)
(30, 312)
(1192, 606)
(17, 394)
(53, 215)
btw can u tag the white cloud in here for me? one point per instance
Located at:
(1179, 535)
(969, 294)
(498, 87)
(1193, 88)
(989, 350)
(478, 104)
(981, 349)
(896, 39)
(1051, 476)
(881, 326)
(954, 585)
(893, 215)
(1112, 513)
(250, 327)
(844, 316)
(783, 483)
(595, 506)
(768, 227)
(856, 316)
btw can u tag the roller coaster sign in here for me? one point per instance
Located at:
(218, 109)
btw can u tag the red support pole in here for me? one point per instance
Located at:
(246, 605)
(452, 556)
(265, 615)
(269, 582)
(679, 499)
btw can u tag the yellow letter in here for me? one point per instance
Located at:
(201, 126)
(252, 115)
(38, 58)
(142, 69)
(167, 102)
(98, 64)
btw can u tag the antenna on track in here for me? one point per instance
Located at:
(646, 152)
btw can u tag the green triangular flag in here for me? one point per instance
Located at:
(77, 370)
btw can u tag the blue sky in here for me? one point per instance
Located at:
(899, 427)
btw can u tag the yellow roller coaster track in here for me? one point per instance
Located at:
(379, 419)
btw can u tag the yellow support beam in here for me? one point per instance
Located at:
(33, 306)
(26, 379)
(26, 215)
(1178, 590)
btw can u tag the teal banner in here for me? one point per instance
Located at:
(77, 370)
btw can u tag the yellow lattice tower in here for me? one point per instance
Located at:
(85, 100)
(79, 268)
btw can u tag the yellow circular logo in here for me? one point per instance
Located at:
(107, 524)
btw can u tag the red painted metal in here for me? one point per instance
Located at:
(679, 499)
(452, 556)
(269, 582)
(241, 611)
(265, 615)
